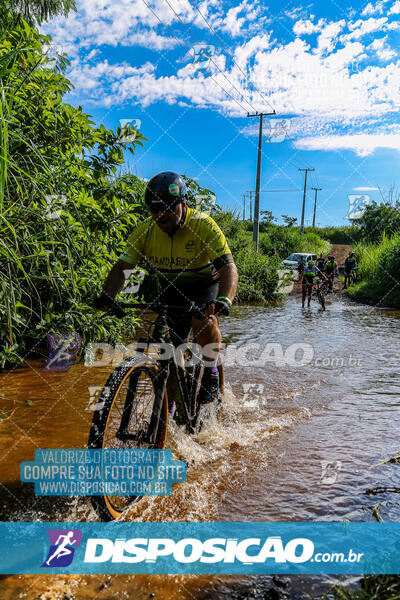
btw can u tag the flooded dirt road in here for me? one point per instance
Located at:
(296, 443)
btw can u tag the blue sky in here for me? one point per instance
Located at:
(330, 71)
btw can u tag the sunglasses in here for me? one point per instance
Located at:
(157, 207)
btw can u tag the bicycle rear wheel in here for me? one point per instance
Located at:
(128, 400)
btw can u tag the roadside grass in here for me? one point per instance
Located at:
(379, 266)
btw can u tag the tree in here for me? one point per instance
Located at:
(289, 221)
(378, 219)
(33, 11)
(267, 216)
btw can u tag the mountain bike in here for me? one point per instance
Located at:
(143, 391)
(355, 275)
(320, 290)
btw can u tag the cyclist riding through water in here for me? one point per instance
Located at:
(308, 280)
(189, 254)
(349, 265)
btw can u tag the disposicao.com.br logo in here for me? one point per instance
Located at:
(190, 550)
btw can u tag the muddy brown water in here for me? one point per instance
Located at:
(301, 445)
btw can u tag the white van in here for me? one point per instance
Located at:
(292, 261)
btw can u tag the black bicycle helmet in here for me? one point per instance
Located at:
(166, 188)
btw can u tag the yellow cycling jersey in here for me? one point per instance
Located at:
(184, 257)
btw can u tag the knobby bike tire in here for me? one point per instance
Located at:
(130, 376)
(321, 299)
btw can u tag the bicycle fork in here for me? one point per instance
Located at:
(147, 435)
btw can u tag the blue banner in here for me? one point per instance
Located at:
(200, 548)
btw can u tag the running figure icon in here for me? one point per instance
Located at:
(62, 547)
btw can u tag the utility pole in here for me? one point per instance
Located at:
(250, 192)
(304, 198)
(256, 224)
(315, 203)
(244, 206)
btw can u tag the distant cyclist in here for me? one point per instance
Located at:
(331, 270)
(321, 262)
(190, 255)
(349, 265)
(301, 266)
(308, 281)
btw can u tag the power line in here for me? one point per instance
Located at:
(186, 50)
(214, 63)
(228, 51)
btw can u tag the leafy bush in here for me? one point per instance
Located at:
(379, 219)
(379, 267)
(287, 240)
(61, 222)
(258, 276)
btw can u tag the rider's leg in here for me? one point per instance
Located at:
(309, 290)
(303, 294)
(208, 336)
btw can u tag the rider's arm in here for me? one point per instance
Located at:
(129, 258)
(116, 278)
(113, 284)
(228, 280)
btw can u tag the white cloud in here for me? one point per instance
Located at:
(366, 189)
(307, 27)
(373, 9)
(382, 50)
(297, 76)
(363, 145)
(233, 23)
(395, 9)
(363, 27)
(328, 36)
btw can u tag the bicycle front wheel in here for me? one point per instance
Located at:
(126, 420)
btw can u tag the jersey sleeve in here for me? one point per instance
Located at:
(134, 249)
(216, 244)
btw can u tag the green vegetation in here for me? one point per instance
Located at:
(289, 239)
(379, 267)
(378, 253)
(349, 234)
(63, 217)
(258, 273)
(373, 587)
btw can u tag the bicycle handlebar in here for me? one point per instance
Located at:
(117, 308)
